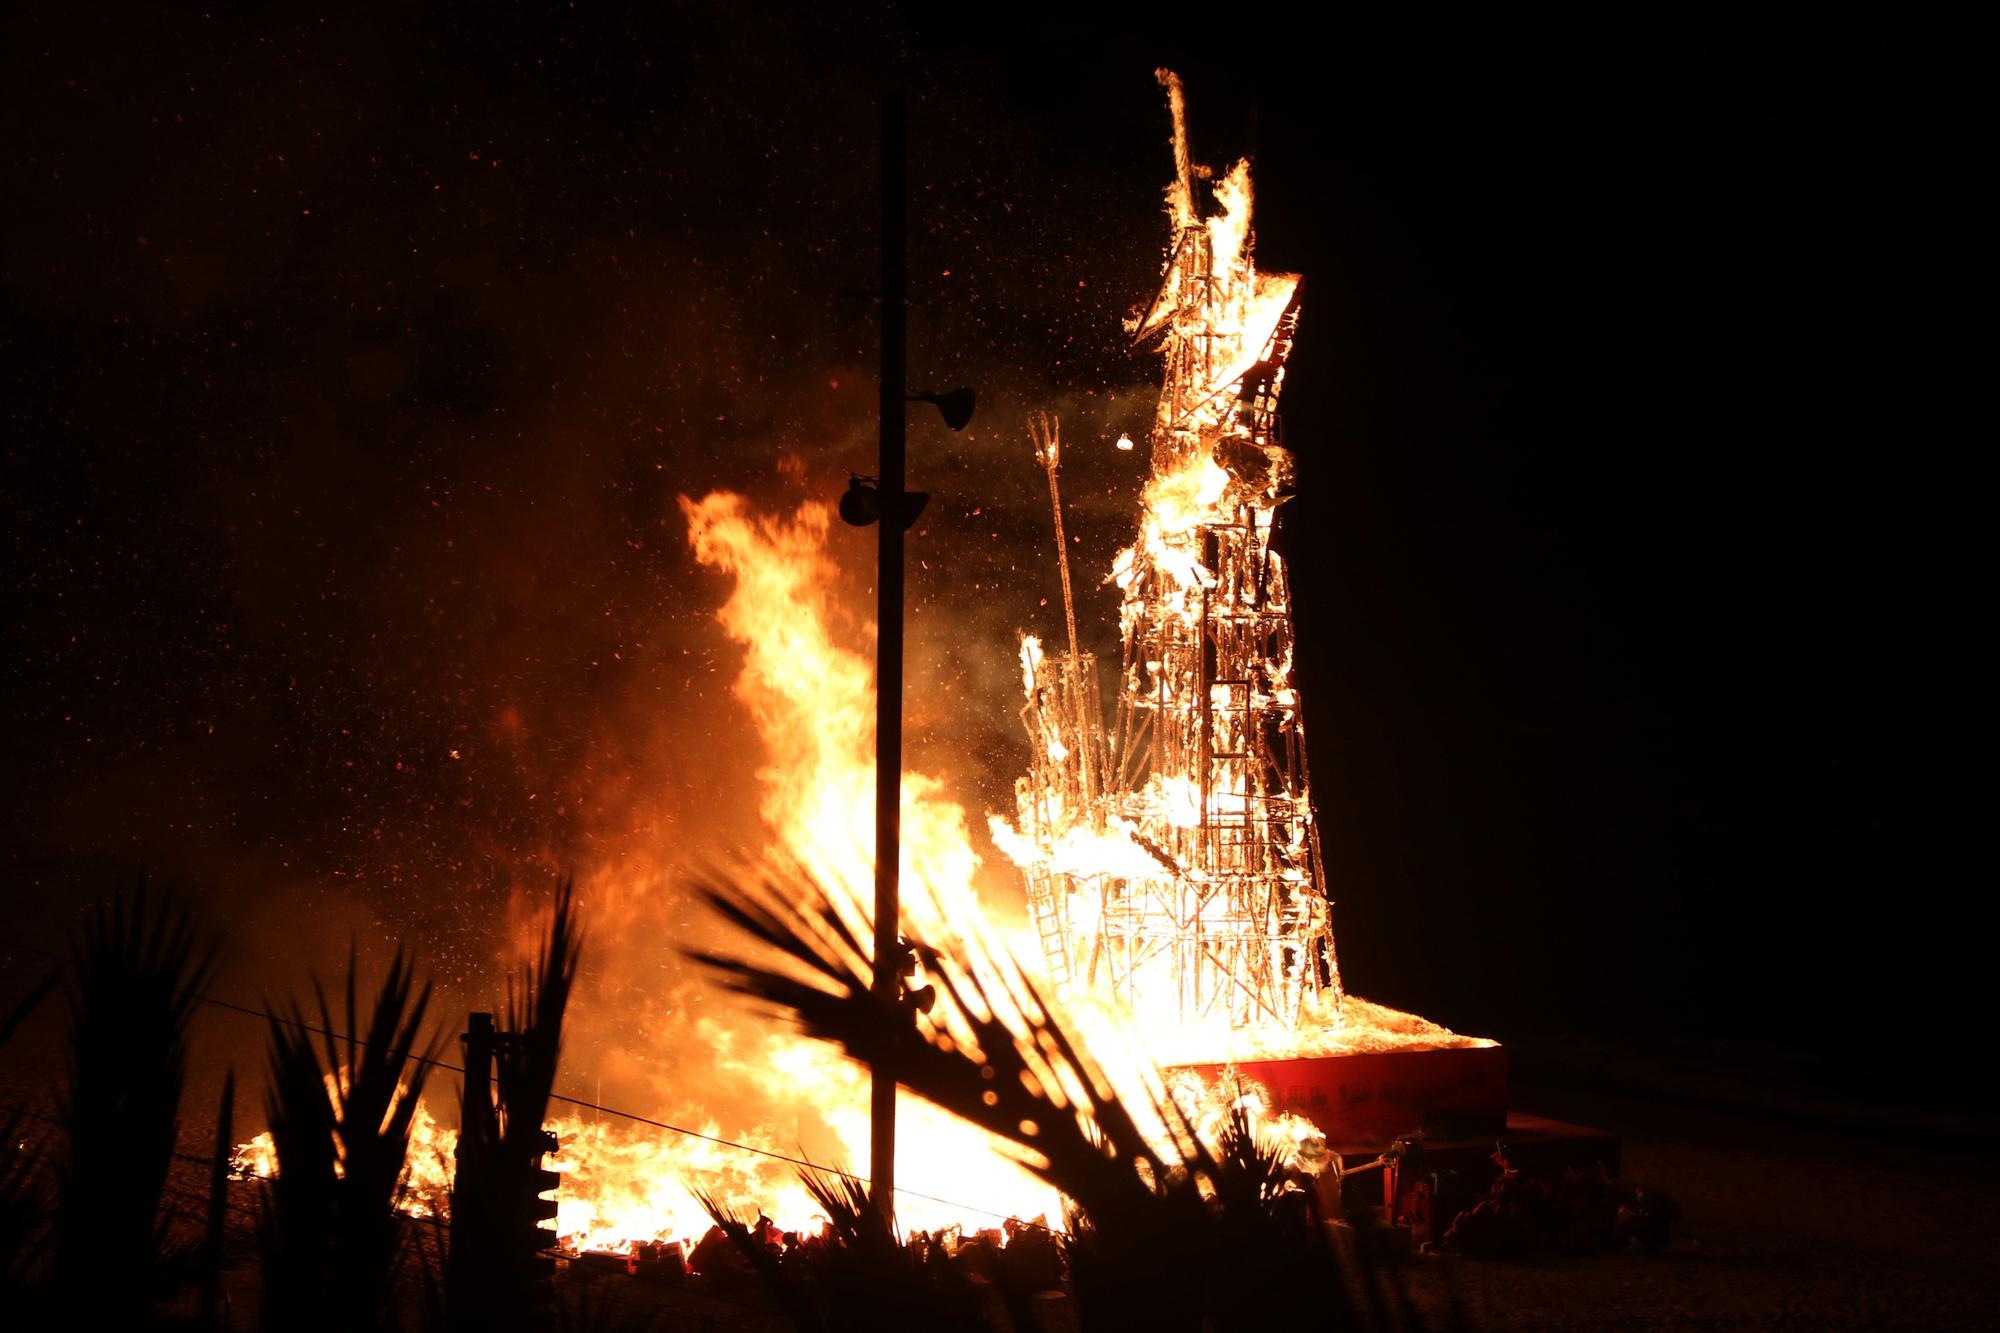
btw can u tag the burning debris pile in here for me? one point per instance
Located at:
(1172, 860)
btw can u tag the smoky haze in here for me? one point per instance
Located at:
(346, 540)
(355, 364)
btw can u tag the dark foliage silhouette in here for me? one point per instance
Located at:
(23, 1207)
(140, 966)
(330, 1235)
(1188, 1237)
(858, 1275)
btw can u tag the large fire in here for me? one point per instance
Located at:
(1178, 904)
(811, 699)
(1172, 857)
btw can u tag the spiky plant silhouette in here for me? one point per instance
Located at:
(330, 1235)
(140, 966)
(1165, 1237)
(536, 1005)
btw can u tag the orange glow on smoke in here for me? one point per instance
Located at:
(807, 687)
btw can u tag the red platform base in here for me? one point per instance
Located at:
(1375, 1098)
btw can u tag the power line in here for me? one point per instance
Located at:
(578, 1102)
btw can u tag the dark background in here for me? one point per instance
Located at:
(352, 364)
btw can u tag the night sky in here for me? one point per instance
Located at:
(353, 364)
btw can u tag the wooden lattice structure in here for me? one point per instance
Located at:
(1172, 857)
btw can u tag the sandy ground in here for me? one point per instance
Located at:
(1784, 1228)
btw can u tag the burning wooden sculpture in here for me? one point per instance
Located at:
(1172, 858)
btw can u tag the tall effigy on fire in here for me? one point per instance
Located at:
(1171, 857)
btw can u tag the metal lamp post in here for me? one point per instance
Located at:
(892, 507)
